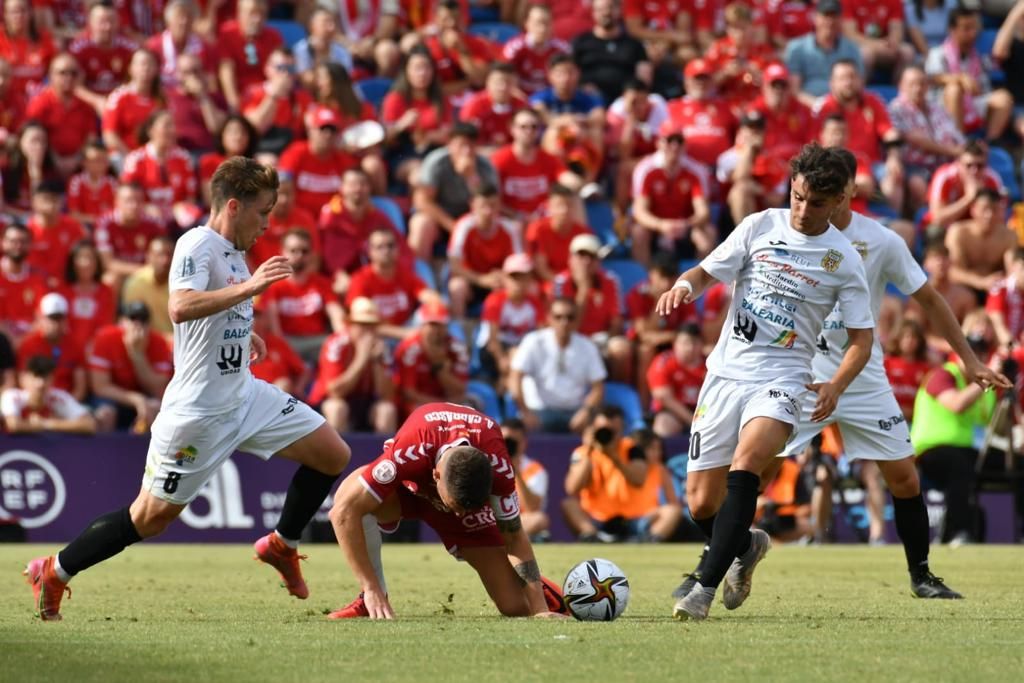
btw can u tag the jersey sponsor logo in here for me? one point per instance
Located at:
(479, 520)
(831, 260)
(775, 300)
(229, 359)
(508, 506)
(188, 267)
(745, 329)
(384, 472)
(766, 260)
(888, 423)
(786, 339)
(767, 314)
(238, 333)
(833, 324)
(184, 455)
(31, 489)
(795, 258)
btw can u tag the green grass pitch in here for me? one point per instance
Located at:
(209, 613)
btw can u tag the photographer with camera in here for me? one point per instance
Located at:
(531, 482)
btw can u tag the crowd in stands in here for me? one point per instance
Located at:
(483, 200)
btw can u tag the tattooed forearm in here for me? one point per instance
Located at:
(510, 526)
(528, 571)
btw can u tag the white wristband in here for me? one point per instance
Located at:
(683, 284)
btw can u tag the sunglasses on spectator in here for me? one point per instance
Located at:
(527, 126)
(779, 84)
(66, 72)
(286, 68)
(329, 129)
(563, 317)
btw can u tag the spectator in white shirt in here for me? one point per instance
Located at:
(38, 407)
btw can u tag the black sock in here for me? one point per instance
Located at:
(306, 494)
(912, 526)
(707, 526)
(105, 537)
(732, 527)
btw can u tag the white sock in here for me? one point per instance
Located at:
(287, 541)
(373, 544)
(59, 570)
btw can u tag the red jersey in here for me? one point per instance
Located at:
(165, 183)
(270, 243)
(51, 245)
(301, 306)
(344, 236)
(670, 194)
(640, 306)
(345, 119)
(447, 60)
(88, 311)
(654, 14)
(12, 111)
(531, 60)
(643, 139)
(317, 178)
(412, 368)
(125, 242)
(684, 381)
(408, 460)
(416, 14)
(125, 112)
(946, 185)
(511, 320)
(29, 58)
(785, 130)
(492, 121)
(19, 299)
(788, 19)
(905, 377)
(708, 127)
(542, 238)
(872, 18)
(867, 121)
(208, 164)
(281, 361)
(396, 297)
(66, 353)
(601, 309)
(69, 124)
(164, 47)
(289, 113)
(706, 15)
(109, 353)
(247, 54)
(394, 105)
(1004, 298)
(336, 355)
(104, 67)
(743, 87)
(525, 186)
(89, 198)
(479, 252)
(140, 16)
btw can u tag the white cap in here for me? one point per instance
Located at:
(585, 242)
(53, 304)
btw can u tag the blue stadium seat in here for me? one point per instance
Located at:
(625, 397)
(495, 31)
(1002, 163)
(887, 93)
(374, 90)
(391, 210)
(487, 396)
(628, 273)
(883, 210)
(985, 42)
(511, 409)
(291, 32)
(426, 273)
(601, 220)
(478, 14)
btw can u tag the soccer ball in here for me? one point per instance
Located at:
(596, 590)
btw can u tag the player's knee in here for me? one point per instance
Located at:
(153, 520)
(903, 482)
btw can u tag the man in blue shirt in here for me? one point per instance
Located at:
(810, 57)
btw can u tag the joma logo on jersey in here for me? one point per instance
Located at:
(229, 359)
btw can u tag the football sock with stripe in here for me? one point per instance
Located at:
(307, 492)
(105, 537)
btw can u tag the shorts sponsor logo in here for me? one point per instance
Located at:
(384, 472)
(780, 395)
(184, 455)
(229, 359)
(831, 260)
(745, 329)
(31, 489)
(888, 423)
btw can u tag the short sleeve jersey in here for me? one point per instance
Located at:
(786, 284)
(886, 259)
(409, 459)
(211, 354)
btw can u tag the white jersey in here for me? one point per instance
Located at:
(785, 284)
(211, 354)
(58, 403)
(886, 259)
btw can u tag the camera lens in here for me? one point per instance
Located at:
(603, 435)
(512, 446)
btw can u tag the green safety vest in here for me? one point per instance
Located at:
(936, 425)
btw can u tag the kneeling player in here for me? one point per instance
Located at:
(447, 466)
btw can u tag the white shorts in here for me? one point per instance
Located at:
(724, 406)
(870, 422)
(185, 451)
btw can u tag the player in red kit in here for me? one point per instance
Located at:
(447, 466)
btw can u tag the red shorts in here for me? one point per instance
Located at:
(475, 530)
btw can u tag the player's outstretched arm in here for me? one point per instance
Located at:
(858, 352)
(941, 317)
(687, 288)
(191, 304)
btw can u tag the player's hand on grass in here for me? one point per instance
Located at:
(828, 397)
(550, 615)
(257, 349)
(673, 299)
(270, 271)
(377, 604)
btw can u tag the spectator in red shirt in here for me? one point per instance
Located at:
(670, 208)
(25, 45)
(178, 39)
(675, 378)
(788, 19)
(129, 368)
(21, 287)
(354, 379)
(302, 308)
(103, 54)
(281, 367)
(633, 122)
(12, 103)
(165, 172)
(244, 44)
(787, 119)
(53, 233)
(752, 178)
(236, 138)
(462, 58)
(906, 364)
(316, 165)
(276, 107)
(367, 30)
(548, 238)
(481, 241)
(705, 120)
(666, 23)
(50, 337)
(509, 312)
(955, 185)
(91, 192)
(91, 303)
(530, 51)
(1005, 303)
(431, 365)
(491, 110)
(526, 172)
(285, 217)
(36, 406)
(739, 58)
(28, 164)
(395, 290)
(131, 104)
(123, 235)
(68, 120)
(878, 29)
(198, 110)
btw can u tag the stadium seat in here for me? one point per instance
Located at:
(1002, 163)
(487, 396)
(426, 273)
(291, 32)
(511, 409)
(601, 220)
(495, 31)
(628, 273)
(391, 210)
(479, 15)
(986, 41)
(887, 93)
(625, 397)
(883, 210)
(374, 90)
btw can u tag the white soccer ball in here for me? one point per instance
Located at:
(596, 590)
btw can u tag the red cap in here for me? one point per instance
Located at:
(434, 312)
(776, 72)
(698, 67)
(325, 116)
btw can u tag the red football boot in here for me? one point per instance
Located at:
(47, 588)
(353, 610)
(273, 551)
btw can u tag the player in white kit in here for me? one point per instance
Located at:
(789, 269)
(213, 404)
